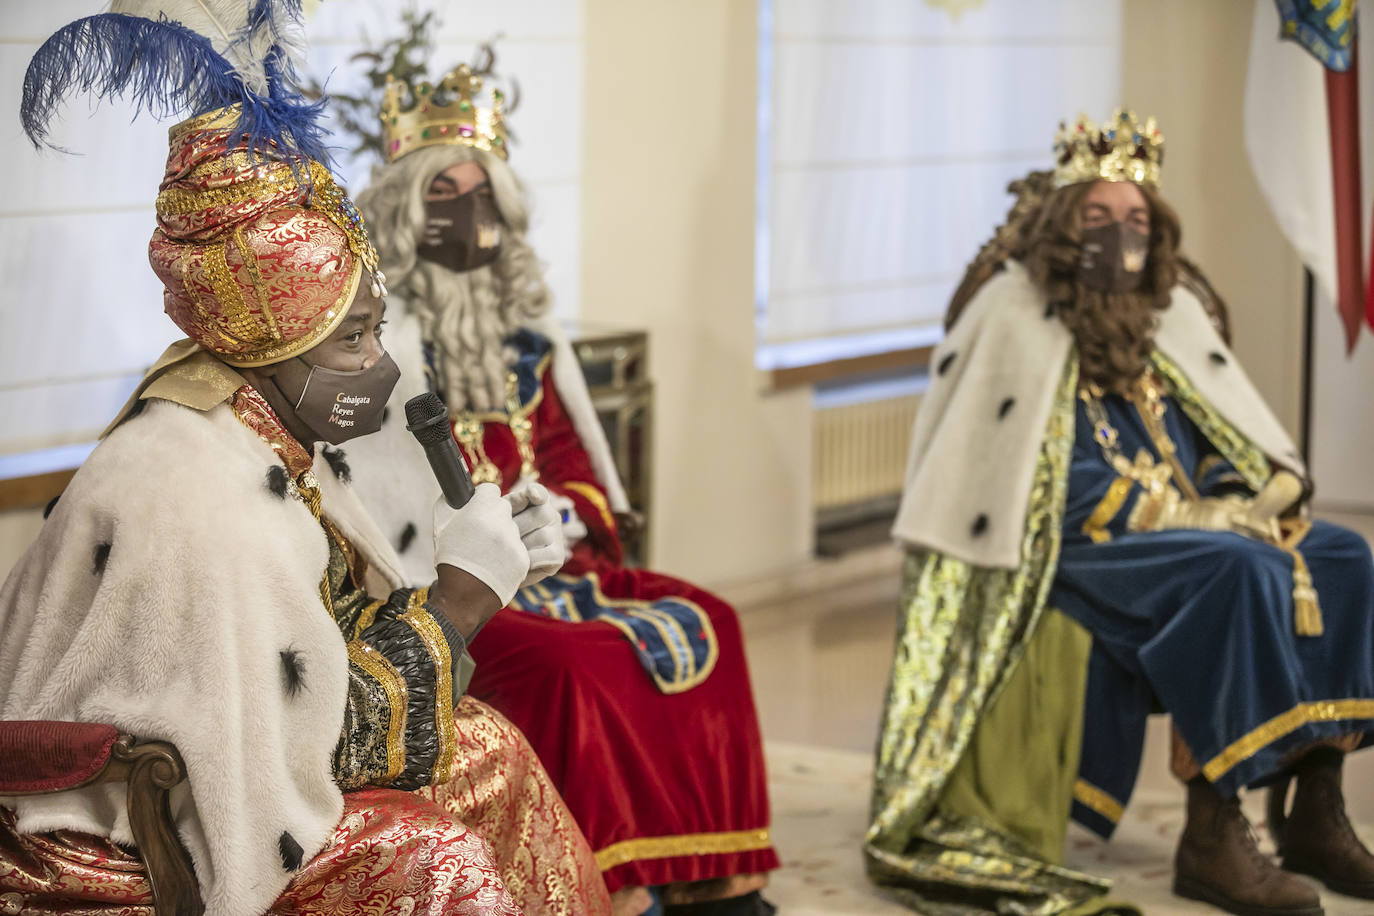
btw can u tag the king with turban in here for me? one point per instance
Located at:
(209, 579)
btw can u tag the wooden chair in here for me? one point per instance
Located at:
(39, 758)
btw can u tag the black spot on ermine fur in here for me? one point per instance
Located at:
(1006, 407)
(407, 537)
(277, 481)
(52, 504)
(290, 850)
(945, 363)
(99, 557)
(338, 463)
(980, 525)
(292, 671)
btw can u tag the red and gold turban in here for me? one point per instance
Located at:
(260, 255)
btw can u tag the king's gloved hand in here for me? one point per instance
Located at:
(541, 529)
(483, 540)
(1219, 513)
(1282, 493)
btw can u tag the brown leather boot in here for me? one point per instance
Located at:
(1219, 862)
(1316, 838)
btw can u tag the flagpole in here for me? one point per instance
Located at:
(1309, 326)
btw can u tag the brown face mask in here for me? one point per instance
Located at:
(462, 233)
(1113, 259)
(338, 405)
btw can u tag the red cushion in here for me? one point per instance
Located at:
(38, 757)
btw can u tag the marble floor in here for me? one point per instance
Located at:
(820, 642)
(820, 796)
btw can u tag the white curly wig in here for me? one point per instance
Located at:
(464, 317)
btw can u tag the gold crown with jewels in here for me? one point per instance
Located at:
(420, 115)
(1120, 149)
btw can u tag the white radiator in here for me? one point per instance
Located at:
(860, 451)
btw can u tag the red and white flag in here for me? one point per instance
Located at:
(1303, 130)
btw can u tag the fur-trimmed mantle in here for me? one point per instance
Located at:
(981, 423)
(160, 597)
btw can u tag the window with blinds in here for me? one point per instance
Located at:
(83, 308)
(888, 131)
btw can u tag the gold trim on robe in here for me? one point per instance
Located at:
(1086, 793)
(1285, 724)
(690, 844)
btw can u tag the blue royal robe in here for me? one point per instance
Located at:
(1201, 624)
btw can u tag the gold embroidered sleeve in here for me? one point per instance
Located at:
(371, 750)
(399, 725)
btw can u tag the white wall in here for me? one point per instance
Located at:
(668, 246)
(1342, 421)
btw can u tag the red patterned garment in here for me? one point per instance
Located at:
(260, 257)
(668, 787)
(495, 840)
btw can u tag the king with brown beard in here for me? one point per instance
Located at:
(1103, 520)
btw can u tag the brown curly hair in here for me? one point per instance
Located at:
(1114, 331)
(1008, 241)
(1012, 239)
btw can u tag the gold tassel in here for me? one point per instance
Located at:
(1307, 611)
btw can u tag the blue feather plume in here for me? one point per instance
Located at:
(167, 70)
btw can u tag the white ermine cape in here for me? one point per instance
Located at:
(159, 597)
(981, 423)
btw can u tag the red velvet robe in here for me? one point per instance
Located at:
(667, 787)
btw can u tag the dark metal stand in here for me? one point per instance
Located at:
(1309, 335)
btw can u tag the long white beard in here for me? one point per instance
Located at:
(466, 322)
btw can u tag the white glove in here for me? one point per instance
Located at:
(573, 528)
(1280, 494)
(483, 540)
(541, 529)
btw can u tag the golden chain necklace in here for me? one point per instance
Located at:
(469, 429)
(1147, 396)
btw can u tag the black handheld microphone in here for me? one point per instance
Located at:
(427, 419)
